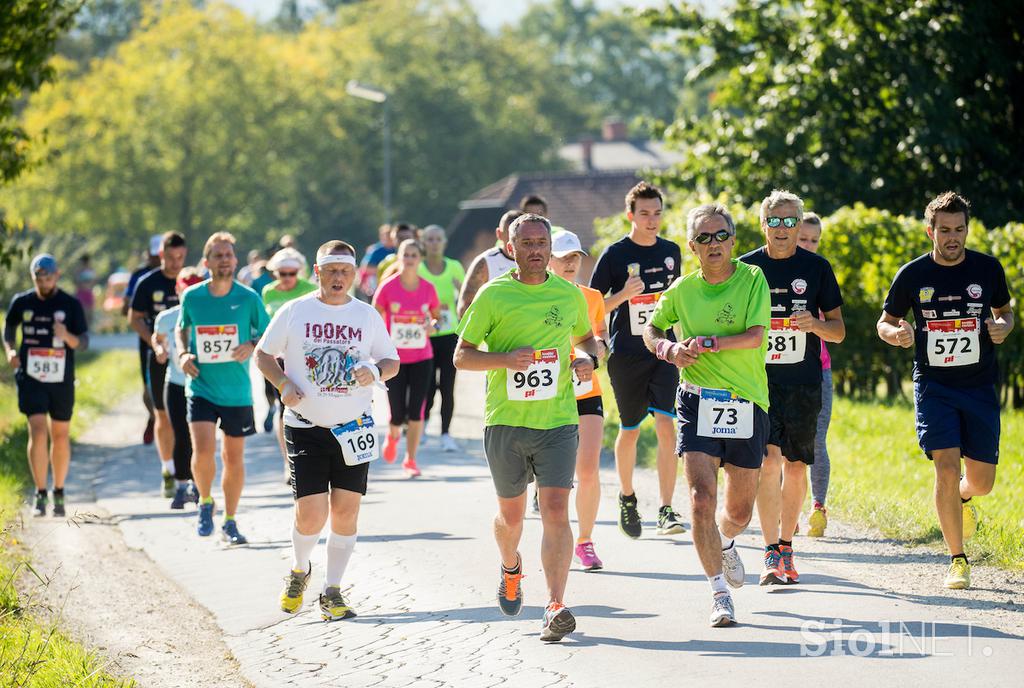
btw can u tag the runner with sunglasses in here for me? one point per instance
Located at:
(802, 285)
(722, 311)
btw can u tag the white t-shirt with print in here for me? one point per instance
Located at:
(320, 344)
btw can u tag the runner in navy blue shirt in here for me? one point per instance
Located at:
(961, 306)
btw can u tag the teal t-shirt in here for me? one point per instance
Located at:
(508, 315)
(732, 307)
(215, 325)
(274, 298)
(447, 292)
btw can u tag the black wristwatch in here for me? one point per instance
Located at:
(595, 360)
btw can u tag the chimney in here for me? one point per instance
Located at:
(613, 129)
(587, 151)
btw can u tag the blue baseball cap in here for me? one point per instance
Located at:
(44, 262)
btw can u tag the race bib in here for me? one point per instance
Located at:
(953, 342)
(538, 382)
(408, 332)
(786, 344)
(46, 365)
(724, 415)
(447, 320)
(579, 387)
(640, 309)
(358, 441)
(214, 343)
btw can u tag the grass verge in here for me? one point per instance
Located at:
(880, 477)
(33, 652)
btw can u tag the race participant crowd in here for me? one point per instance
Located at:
(730, 361)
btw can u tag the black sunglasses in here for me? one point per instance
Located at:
(287, 274)
(721, 236)
(774, 222)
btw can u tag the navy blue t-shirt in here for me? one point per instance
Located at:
(950, 305)
(803, 282)
(154, 293)
(35, 317)
(658, 265)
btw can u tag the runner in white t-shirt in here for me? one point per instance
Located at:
(335, 349)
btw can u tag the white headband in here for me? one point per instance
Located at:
(336, 258)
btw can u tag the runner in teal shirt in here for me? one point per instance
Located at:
(216, 325)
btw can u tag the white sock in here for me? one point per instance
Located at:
(182, 483)
(726, 542)
(339, 551)
(718, 583)
(168, 466)
(302, 548)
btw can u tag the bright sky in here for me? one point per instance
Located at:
(493, 13)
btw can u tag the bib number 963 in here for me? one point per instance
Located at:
(537, 382)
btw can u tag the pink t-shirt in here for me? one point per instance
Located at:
(407, 315)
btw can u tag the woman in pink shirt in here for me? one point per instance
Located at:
(410, 308)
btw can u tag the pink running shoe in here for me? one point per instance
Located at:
(390, 448)
(411, 469)
(588, 557)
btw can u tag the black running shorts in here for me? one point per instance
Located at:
(55, 399)
(748, 453)
(591, 406)
(642, 384)
(793, 418)
(316, 463)
(235, 421)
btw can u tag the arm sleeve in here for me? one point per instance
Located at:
(896, 302)
(665, 315)
(476, 321)
(829, 296)
(601, 279)
(1001, 297)
(275, 336)
(759, 305)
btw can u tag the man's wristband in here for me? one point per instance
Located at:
(372, 367)
(595, 360)
(663, 350)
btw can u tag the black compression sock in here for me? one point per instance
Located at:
(774, 547)
(41, 493)
(58, 492)
(785, 543)
(958, 556)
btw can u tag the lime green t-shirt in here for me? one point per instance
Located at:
(732, 307)
(216, 324)
(447, 292)
(508, 315)
(274, 298)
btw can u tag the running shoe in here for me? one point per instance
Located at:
(558, 623)
(58, 506)
(958, 577)
(732, 567)
(510, 595)
(588, 557)
(630, 522)
(268, 422)
(390, 448)
(669, 522)
(229, 533)
(723, 613)
(147, 434)
(295, 585)
(40, 507)
(970, 519)
(773, 573)
(448, 444)
(168, 485)
(180, 497)
(535, 502)
(817, 521)
(787, 564)
(411, 469)
(205, 528)
(333, 606)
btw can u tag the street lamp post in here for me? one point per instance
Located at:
(376, 95)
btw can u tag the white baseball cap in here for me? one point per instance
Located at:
(156, 243)
(286, 258)
(564, 242)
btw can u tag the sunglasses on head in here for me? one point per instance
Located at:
(721, 236)
(287, 274)
(774, 222)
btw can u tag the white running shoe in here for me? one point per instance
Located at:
(723, 613)
(448, 444)
(732, 567)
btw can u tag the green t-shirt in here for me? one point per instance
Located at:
(732, 307)
(507, 315)
(447, 292)
(274, 298)
(216, 324)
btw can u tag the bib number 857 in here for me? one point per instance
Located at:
(216, 346)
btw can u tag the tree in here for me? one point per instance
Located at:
(99, 27)
(879, 102)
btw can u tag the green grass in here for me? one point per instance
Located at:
(880, 477)
(33, 652)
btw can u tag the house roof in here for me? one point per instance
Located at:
(620, 154)
(575, 200)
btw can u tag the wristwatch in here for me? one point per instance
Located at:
(595, 360)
